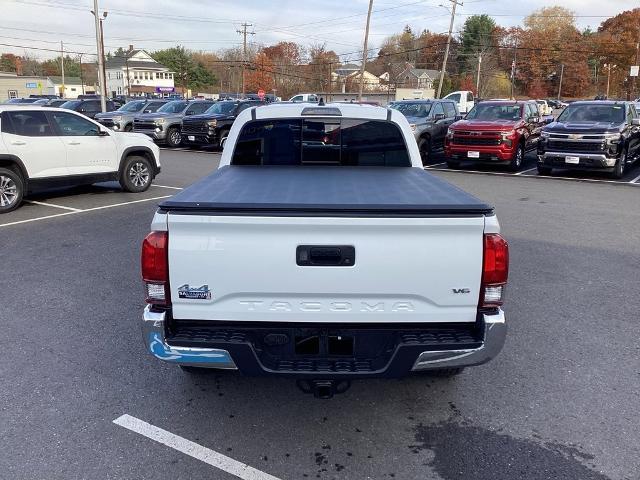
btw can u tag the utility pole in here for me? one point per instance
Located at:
(104, 68)
(364, 52)
(81, 76)
(100, 52)
(446, 51)
(608, 66)
(329, 83)
(513, 69)
(561, 77)
(635, 79)
(478, 78)
(244, 34)
(62, 67)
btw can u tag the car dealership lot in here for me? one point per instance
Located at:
(560, 401)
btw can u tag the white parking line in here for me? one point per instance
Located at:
(167, 186)
(52, 205)
(204, 454)
(539, 177)
(76, 211)
(435, 165)
(525, 171)
(635, 179)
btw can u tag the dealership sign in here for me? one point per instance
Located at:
(32, 85)
(165, 89)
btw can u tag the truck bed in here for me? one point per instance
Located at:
(325, 190)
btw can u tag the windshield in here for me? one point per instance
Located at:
(173, 107)
(221, 108)
(495, 111)
(71, 104)
(593, 113)
(454, 96)
(134, 106)
(413, 109)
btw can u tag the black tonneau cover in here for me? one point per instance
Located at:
(322, 191)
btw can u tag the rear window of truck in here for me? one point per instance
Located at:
(321, 141)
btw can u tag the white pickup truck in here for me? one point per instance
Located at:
(321, 250)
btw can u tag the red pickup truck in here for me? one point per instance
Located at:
(495, 132)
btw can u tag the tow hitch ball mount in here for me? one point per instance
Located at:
(323, 389)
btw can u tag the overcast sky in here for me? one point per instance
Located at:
(211, 25)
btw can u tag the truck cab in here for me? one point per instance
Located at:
(464, 99)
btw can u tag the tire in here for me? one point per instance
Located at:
(518, 159)
(424, 145)
(136, 174)
(11, 190)
(174, 138)
(223, 139)
(128, 127)
(453, 165)
(620, 168)
(545, 171)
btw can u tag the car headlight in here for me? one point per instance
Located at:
(449, 133)
(212, 123)
(544, 134)
(160, 121)
(508, 137)
(117, 119)
(612, 137)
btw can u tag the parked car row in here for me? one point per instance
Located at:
(587, 135)
(193, 123)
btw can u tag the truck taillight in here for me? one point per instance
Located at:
(155, 268)
(495, 271)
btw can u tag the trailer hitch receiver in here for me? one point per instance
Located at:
(323, 389)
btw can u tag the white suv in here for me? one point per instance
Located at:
(48, 147)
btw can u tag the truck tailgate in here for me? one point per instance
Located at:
(246, 268)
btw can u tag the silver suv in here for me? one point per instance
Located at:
(121, 120)
(165, 124)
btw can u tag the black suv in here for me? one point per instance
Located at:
(429, 121)
(591, 135)
(89, 108)
(212, 127)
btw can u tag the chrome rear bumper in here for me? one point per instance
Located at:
(495, 333)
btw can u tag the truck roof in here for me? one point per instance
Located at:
(325, 191)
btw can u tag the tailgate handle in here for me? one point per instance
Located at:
(325, 255)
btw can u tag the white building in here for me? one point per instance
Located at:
(73, 86)
(145, 75)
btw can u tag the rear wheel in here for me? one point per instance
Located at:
(136, 174)
(544, 170)
(618, 171)
(11, 190)
(518, 158)
(424, 145)
(173, 137)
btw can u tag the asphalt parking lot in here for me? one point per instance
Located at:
(81, 399)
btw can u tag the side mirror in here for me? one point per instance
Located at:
(459, 117)
(439, 116)
(188, 113)
(103, 133)
(548, 120)
(635, 122)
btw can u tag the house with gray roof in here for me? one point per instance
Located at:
(412, 77)
(137, 73)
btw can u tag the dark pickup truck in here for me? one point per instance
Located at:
(591, 135)
(212, 127)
